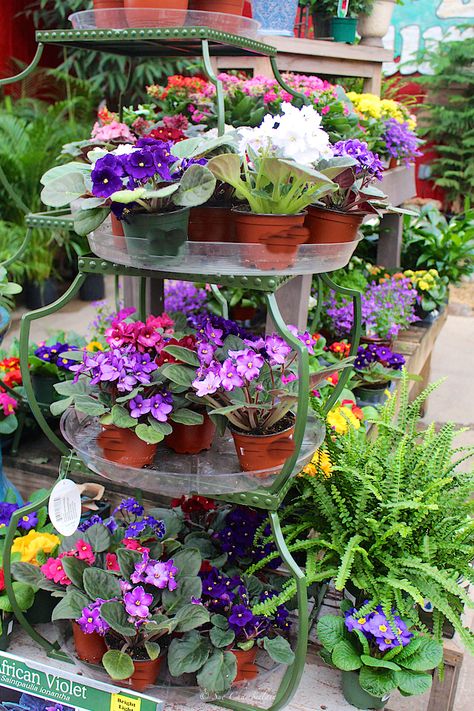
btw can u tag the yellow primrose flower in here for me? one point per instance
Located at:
(340, 418)
(433, 272)
(94, 346)
(320, 464)
(33, 543)
(423, 285)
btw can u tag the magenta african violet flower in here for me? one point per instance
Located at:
(137, 602)
(91, 622)
(249, 364)
(161, 575)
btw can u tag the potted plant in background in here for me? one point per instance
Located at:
(339, 18)
(7, 290)
(377, 653)
(374, 21)
(49, 364)
(40, 287)
(273, 173)
(375, 367)
(276, 18)
(232, 7)
(432, 293)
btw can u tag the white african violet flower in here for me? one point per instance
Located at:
(124, 149)
(295, 134)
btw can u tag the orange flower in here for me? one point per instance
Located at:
(333, 379)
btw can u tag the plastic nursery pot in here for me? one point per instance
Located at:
(152, 234)
(191, 439)
(276, 18)
(7, 621)
(41, 610)
(142, 12)
(257, 453)
(246, 667)
(331, 226)
(393, 162)
(321, 24)
(93, 288)
(377, 341)
(375, 395)
(278, 237)
(118, 233)
(39, 294)
(43, 388)
(108, 19)
(145, 674)
(354, 694)
(211, 224)
(243, 313)
(228, 7)
(343, 29)
(89, 647)
(123, 446)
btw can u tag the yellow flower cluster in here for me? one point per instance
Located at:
(340, 418)
(94, 346)
(33, 543)
(423, 279)
(372, 106)
(319, 465)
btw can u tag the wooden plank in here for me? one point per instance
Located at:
(399, 184)
(389, 243)
(324, 48)
(443, 694)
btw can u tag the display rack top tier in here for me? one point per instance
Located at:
(157, 41)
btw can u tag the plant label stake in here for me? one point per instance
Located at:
(342, 8)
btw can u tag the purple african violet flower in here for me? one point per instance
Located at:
(131, 505)
(401, 142)
(106, 176)
(229, 376)
(6, 512)
(205, 352)
(277, 349)
(240, 616)
(90, 621)
(249, 364)
(137, 602)
(139, 406)
(160, 407)
(135, 528)
(138, 575)
(140, 165)
(213, 334)
(208, 385)
(183, 297)
(367, 161)
(162, 575)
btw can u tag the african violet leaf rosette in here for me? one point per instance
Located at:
(374, 369)
(377, 653)
(336, 216)
(122, 386)
(249, 385)
(277, 173)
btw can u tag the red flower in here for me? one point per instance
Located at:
(333, 379)
(206, 567)
(13, 378)
(167, 134)
(111, 562)
(192, 504)
(2, 580)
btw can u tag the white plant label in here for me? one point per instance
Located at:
(64, 507)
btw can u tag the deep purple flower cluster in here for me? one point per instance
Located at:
(26, 522)
(228, 327)
(110, 523)
(237, 537)
(124, 368)
(229, 597)
(90, 621)
(159, 406)
(370, 353)
(148, 159)
(133, 521)
(147, 524)
(368, 162)
(400, 140)
(183, 297)
(387, 308)
(378, 630)
(53, 354)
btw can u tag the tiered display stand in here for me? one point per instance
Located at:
(216, 473)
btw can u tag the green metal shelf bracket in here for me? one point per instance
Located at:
(284, 85)
(222, 301)
(355, 333)
(24, 348)
(27, 70)
(51, 649)
(209, 72)
(19, 252)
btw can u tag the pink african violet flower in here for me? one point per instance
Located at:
(53, 570)
(112, 130)
(137, 602)
(85, 552)
(8, 404)
(291, 377)
(134, 545)
(111, 562)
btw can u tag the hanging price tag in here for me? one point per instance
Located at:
(64, 507)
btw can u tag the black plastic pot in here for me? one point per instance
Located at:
(93, 288)
(41, 610)
(150, 234)
(371, 395)
(7, 620)
(43, 388)
(40, 294)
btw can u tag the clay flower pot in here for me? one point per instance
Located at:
(246, 667)
(145, 674)
(118, 233)
(377, 341)
(211, 224)
(89, 647)
(191, 439)
(142, 12)
(110, 18)
(330, 226)
(228, 7)
(122, 446)
(278, 237)
(243, 313)
(257, 452)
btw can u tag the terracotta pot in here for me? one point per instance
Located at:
(211, 224)
(243, 313)
(145, 674)
(142, 12)
(228, 7)
(89, 647)
(376, 341)
(393, 163)
(330, 226)
(191, 439)
(122, 446)
(118, 233)
(111, 18)
(255, 452)
(278, 236)
(246, 667)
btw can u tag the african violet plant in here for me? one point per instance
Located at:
(382, 650)
(393, 517)
(376, 366)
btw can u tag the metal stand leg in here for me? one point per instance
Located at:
(27, 70)
(209, 72)
(222, 301)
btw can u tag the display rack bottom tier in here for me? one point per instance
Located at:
(210, 473)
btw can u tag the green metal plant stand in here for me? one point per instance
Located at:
(166, 42)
